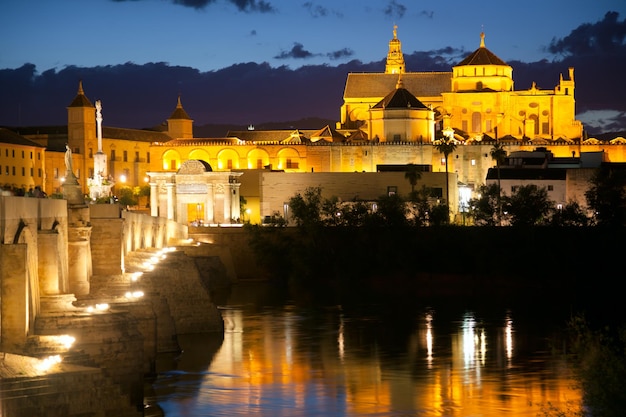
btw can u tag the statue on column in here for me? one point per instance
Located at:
(68, 159)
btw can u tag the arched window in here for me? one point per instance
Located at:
(536, 120)
(476, 122)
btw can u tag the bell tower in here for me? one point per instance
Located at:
(180, 125)
(395, 58)
(81, 122)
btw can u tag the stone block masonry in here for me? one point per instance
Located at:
(178, 280)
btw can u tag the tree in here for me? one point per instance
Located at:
(391, 211)
(498, 154)
(529, 205)
(570, 215)
(486, 209)
(412, 174)
(127, 197)
(306, 210)
(607, 196)
(421, 206)
(439, 215)
(446, 145)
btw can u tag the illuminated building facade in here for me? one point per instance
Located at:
(477, 98)
(21, 162)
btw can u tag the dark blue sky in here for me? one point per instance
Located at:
(214, 34)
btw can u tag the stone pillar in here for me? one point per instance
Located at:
(48, 259)
(235, 206)
(79, 259)
(79, 249)
(170, 201)
(228, 198)
(72, 191)
(14, 309)
(210, 201)
(154, 200)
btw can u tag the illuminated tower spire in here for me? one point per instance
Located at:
(395, 58)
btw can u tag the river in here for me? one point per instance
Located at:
(445, 357)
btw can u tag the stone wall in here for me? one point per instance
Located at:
(143, 231)
(267, 192)
(22, 221)
(63, 391)
(232, 245)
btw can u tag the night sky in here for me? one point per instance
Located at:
(253, 61)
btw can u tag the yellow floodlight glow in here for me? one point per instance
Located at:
(66, 340)
(48, 363)
(134, 294)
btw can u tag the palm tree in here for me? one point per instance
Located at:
(446, 145)
(497, 154)
(412, 174)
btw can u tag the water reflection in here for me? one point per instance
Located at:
(287, 361)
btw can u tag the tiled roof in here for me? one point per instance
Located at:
(9, 137)
(203, 141)
(179, 112)
(482, 56)
(278, 135)
(420, 84)
(81, 101)
(41, 130)
(328, 134)
(401, 98)
(137, 135)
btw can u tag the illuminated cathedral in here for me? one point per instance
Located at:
(477, 98)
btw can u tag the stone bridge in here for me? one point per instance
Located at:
(74, 288)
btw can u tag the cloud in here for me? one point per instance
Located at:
(605, 36)
(597, 121)
(341, 53)
(316, 10)
(427, 13)
(260, 6)
(395, 9)
(296, 52)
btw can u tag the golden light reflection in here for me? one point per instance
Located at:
(429, 339)
(280, 359)
(509, 338)
(340, 340)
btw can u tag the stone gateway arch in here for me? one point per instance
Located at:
(195, 194)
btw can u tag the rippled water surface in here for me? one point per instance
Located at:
(439, 359)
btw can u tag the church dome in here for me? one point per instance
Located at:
(482, 56)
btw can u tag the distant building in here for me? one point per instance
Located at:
(564, 178)
(22, 163)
